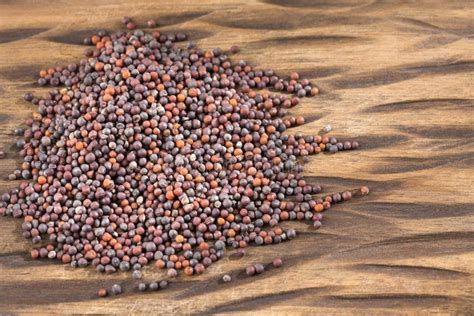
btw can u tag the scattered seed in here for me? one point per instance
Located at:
(259, 268)
(154, 286)
(234, 49)
(116, 289)
(126, 19)
(250, 270)
(102, 292)
(346, 196)
(226, 278)
(163, 284)
(142, 287)
(28, 96)
(241, 252)
(137, 274)
(277, 262)
(18, 131)
(364, 190)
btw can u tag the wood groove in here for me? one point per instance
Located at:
(403, 73)
(418, 238)
(7, 36)
(410, 164)
(420, 105)
(412, 270)
(256, 303)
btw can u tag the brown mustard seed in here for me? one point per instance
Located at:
(145, 151)
(102, 292)
(364, 190)
(277, 262)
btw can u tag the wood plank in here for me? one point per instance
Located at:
(396, 75)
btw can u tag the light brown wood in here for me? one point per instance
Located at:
(396, 75)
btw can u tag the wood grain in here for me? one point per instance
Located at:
(397, 75)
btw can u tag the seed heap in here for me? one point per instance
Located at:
(151, 151)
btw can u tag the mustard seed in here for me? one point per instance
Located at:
(116, 289)
(277, 262)
(145, 151)
(259, 268)
(102, 292)
(364, 190)
(153, 286)
(250, 270)
(327, 128)
(226, 278)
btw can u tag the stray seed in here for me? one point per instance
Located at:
(102, 292)
(126, 19)
(234, 49)
(317, 224)
(116, 289)
(28, 97)
(241, 252)
(154, 286)
(259, 268)
(250, 270)
(226, 278)
(364, 190)
(277, 262)
(137, 274)
(346, 196)
(18, 131)
(163, 284)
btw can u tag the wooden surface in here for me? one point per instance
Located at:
(398, 76)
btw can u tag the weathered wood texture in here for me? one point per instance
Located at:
(398, 76)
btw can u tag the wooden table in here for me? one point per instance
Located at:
(398, 76)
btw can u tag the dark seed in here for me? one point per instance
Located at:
(116, 289)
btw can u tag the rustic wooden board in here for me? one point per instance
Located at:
(398, 76)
